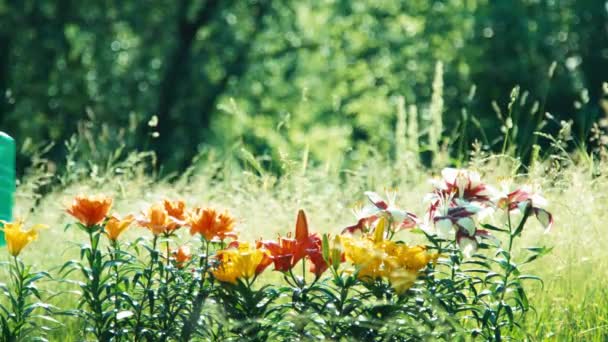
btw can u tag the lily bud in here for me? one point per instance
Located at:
(336, 252)
(379, 230)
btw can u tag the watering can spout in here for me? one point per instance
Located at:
(7, 179)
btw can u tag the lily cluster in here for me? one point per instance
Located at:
(460, 200)
(375, 258)
(157, 288)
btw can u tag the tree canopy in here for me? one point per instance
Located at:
(280, 76)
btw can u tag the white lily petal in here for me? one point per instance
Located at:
(468, 224)
(468, 246)
(449, 174)
(397, 214)
(485, 214)
(367, 211)
(444, 228)
(375, 198)
(544, 217)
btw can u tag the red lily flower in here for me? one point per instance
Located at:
(286, 252)
(282, 252)
(318, 264)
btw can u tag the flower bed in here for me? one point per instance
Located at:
(366, 281)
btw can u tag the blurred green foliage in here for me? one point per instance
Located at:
(279, 77)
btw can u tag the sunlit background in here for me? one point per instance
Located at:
(278, 77)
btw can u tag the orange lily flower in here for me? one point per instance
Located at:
(182, 256)
(211, 225)
(175, 209)
(116, 226)
(158, 220)
(90, 210)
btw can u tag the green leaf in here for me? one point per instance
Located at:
(531, 277)
(523, 298)
(494, 228)
(509, 313)
(524, 219)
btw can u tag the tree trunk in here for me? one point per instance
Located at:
(177, 64)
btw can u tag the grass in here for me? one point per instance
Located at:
(572, 305)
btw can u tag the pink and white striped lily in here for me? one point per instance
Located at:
(468, 244)
(461, 217)
(520, 199)
(463, 184)
(461, 187)
(379, 207)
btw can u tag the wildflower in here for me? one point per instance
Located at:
(379, 207)
(116, 226)
(397, 262)
(365, 215)
(240, 261)
(286, 252)
(461, 217)
(90, 210)
(468, 243)
(158, 220)
(521, 199)
(282, 252)
(17, 238)
(182, 256)
(459, 199)
(463, 184)
(460, 187)
(211, 225)
(176, 209)
(366, 256)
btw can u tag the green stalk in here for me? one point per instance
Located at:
(167, 316)
(94, 259)
(497, 333)
(115, 256)
(197, 306)
(304, 271)
(18, 281)
(149, 277)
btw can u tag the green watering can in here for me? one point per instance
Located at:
(7, 179)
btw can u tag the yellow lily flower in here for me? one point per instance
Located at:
(366, 256)
(17, 238)
(376, 258)
(242, 262)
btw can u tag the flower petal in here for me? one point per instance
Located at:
(376, 200)
(544, 217)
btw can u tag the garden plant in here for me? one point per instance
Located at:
(450, 272)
